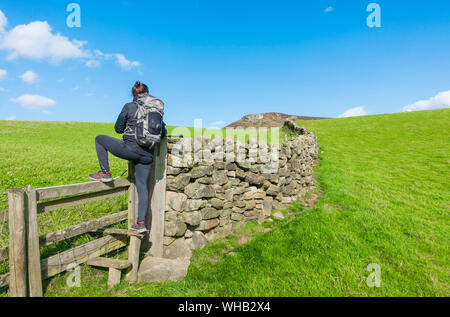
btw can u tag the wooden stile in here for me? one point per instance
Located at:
(27, 270)
(34, 256)
(17, 243)
(63, 261)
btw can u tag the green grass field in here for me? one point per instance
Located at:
(385, 199)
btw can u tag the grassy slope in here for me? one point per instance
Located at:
(387, 180)
(385, 200)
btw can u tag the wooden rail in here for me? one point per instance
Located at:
(78, 189)
(80, 200)
(27, 269)
(46, 206)
(83, 228)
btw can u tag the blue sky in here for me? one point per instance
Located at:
(220, 60)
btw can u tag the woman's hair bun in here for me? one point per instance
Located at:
(139, 88)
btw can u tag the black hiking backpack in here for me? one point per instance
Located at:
(149, 121)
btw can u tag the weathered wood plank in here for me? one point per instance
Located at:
(155, 215)
(133, 257)
(114, 277)
(4, 280)
(65, 260)
(123, 232)
(78, 189)
(82, 228)
(4, 253)
(17, 243)
(81, 199)
(34, 256)
(107, 262)
(135, 243)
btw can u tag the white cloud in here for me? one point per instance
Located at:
(125, 63)
(216, 124)
(36, 41)
(2, 89)
(121, 60)
(33, 101)
(92, 63)
(329, 9)
(29, 77)
(11, 118)
(46, 112)
(441, 100)
(3, 74)
(354, 112)
(3, 22)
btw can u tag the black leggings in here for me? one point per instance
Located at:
(143, 166)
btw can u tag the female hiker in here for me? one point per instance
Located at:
(141, 121)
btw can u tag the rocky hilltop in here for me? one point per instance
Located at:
(269, 120)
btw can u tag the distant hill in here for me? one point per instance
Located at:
(269, 120)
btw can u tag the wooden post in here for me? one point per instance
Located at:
(34, 255)
(135, 243)
(17, 243)
(157, 189)
(133, 256)
(113, 277)
(132, 196)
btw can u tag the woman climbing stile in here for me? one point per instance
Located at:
(142, 125)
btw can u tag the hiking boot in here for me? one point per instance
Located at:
(139, 227)
(101, 176)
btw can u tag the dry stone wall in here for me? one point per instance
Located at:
(215, 185)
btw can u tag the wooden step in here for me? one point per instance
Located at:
(109, 263)
(123, 232)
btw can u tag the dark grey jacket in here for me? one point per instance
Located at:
(127, 122)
